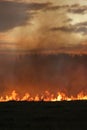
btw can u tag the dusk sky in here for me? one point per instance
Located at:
(43, 24)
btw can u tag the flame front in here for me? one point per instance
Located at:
(47, 96)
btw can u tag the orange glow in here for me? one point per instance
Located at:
(47, 96)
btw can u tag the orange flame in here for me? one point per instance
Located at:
(45, 97)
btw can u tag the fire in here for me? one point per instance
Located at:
(47, 96)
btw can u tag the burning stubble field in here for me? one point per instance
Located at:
(43, 92)
(43, 64)
(61, 115)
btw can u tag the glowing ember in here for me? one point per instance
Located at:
(45, 97)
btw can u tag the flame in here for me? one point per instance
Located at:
(47, 96)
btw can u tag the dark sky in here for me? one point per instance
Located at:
(43, 24)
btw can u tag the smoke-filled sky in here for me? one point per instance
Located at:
(37, 40)
(59, 25)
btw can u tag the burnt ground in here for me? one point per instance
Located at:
(43, 115)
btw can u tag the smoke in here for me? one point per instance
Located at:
(41, 26)
(38, 34)
(45, 29)
(37, 73)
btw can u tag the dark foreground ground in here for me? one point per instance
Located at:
(43, 115)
